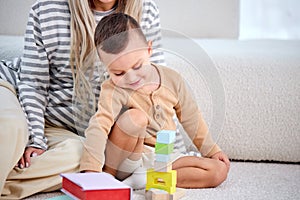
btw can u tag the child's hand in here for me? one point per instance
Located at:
(222, 157)
(29, 152)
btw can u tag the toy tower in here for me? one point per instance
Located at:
(161, 181)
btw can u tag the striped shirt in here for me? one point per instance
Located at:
(45, 82)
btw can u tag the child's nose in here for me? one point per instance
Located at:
(130, 76)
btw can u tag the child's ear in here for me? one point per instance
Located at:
(150, 47)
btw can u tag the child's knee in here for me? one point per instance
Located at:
(219, 173)
(133, 121)
(138, 117)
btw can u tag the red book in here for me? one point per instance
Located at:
(93, 186)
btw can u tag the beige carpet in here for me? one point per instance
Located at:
(246, 181)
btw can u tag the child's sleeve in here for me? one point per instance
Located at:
(192, 121)
(100, 125)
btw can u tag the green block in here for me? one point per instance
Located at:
(166, 149)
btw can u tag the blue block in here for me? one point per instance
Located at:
(163, 157)
(166, 136)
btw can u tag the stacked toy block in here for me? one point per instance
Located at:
(161, 181)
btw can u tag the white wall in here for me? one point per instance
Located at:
(201, 18)
(13, 16)
(270, 19)
(195, 18)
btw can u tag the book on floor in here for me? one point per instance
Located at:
(93, 186)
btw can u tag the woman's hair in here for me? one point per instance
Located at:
(113, 32)
(83, 54)
(130, 7)
(83, 26)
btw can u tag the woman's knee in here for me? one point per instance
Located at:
(71, 147)
(12, 117)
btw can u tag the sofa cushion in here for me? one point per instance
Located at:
(10, 47)
(258, 111)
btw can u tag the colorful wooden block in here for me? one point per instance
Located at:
(180, 192)
(156, 194)
(166, 136)
(162, 180)
(163, 157)
(161, 148)
(162, 166)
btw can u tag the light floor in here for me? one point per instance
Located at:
(246, 180)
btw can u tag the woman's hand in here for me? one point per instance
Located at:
(29, 152)
(222, 157)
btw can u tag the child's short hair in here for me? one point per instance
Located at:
(112, 32)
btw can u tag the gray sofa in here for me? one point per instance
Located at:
(249, 93)
(255, 119)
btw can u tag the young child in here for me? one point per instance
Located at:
(138, 100)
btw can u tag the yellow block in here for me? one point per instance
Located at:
(162, 180)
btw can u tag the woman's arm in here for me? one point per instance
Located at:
(150, 24)
(34, 80)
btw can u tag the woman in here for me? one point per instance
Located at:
(57, 65)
